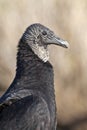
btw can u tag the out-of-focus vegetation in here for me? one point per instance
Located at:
(69, 20)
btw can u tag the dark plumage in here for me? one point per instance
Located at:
(29, 102)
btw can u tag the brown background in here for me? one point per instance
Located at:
(68, 19)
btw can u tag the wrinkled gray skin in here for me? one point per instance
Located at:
(29, 102)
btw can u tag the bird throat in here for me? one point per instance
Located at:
(40, 51)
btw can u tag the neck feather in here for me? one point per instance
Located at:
(30, 66)
(33, 73)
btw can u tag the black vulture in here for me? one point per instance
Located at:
(29, 102)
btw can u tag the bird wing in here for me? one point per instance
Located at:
(28, 113)
(9, 97)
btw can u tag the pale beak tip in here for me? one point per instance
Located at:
(66, 44)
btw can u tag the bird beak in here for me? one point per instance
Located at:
(58, 41)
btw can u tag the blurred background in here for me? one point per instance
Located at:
(68, 19)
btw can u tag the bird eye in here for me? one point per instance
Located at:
(44, 33)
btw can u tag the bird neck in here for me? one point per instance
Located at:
(35, 73)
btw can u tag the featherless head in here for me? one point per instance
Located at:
(38, 37)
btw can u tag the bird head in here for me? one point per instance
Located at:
(38, 37)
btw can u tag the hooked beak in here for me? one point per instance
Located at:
(58, 41)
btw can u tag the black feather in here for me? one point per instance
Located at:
(29, 102)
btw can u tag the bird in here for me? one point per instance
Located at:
(29, 103)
